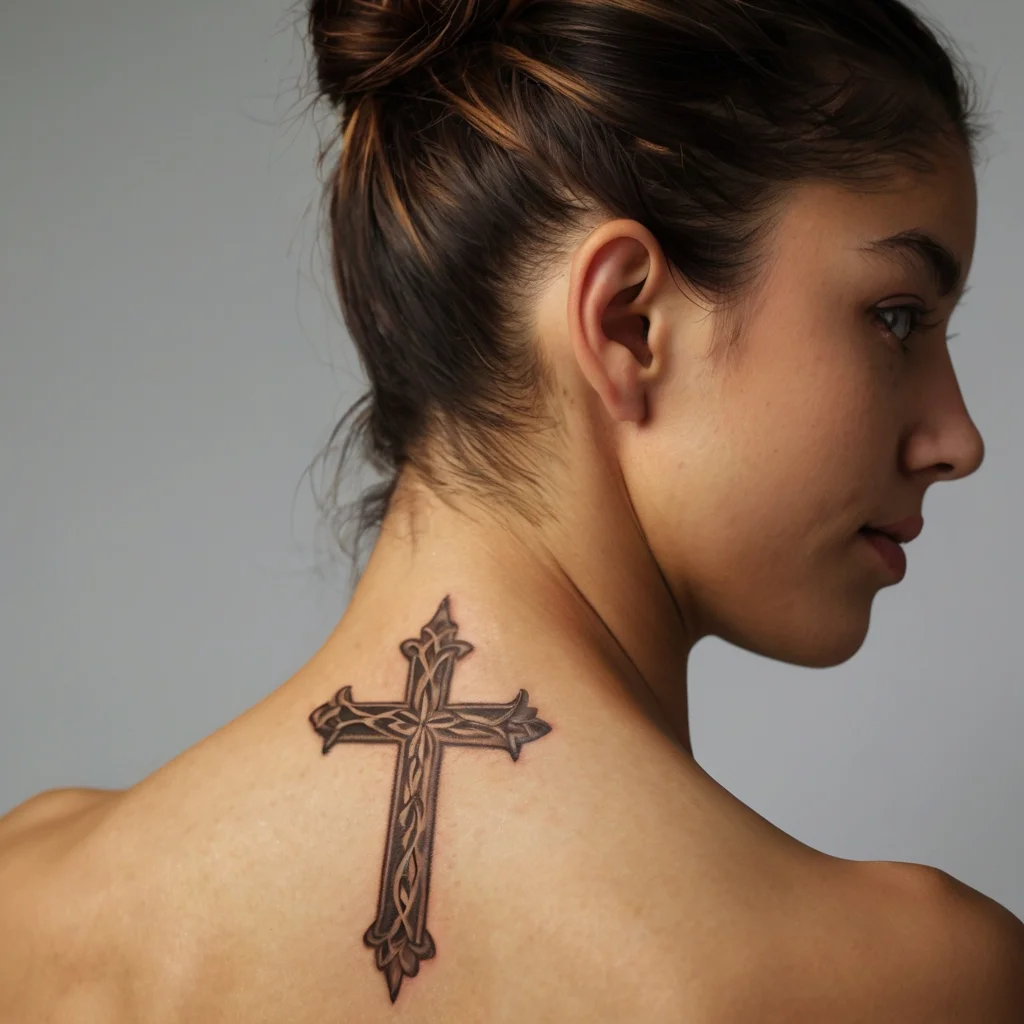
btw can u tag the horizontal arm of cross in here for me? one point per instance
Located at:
(341, 718)
(507, 726)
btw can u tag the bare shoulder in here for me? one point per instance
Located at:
(973, 947)
(52, 807)
(39, 907)
(36, 838)
(902, 943)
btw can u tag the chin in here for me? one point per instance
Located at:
(819, 641)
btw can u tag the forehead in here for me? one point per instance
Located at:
(913, 217)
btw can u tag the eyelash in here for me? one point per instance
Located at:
(919, 323)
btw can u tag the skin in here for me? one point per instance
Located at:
(604, 876)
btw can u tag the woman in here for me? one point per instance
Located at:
(652, 299)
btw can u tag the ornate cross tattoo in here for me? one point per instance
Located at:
(421, 726)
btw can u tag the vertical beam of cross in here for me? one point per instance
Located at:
(422, 726)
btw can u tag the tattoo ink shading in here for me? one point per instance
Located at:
(422, 726)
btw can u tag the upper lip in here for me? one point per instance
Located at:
(903, 531)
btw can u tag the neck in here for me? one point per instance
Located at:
(584, 591)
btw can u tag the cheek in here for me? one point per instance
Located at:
(755, 490)
(755, 535)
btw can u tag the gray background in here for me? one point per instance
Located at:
(171, 360)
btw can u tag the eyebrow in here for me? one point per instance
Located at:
(918, 246)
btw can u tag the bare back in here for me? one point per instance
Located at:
(214, 893)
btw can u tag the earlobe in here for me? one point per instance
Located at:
(627, 354)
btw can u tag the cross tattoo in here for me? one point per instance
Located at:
(422, 725)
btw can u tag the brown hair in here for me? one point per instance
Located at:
(478, 136)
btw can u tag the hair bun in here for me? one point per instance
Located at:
(364, 45)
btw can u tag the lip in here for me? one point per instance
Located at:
(902, 532)
(892, 554)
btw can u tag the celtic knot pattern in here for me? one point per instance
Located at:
(423, 724)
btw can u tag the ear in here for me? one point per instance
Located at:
(614, 273)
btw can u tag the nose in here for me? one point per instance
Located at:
(946, 442)
(963, 450)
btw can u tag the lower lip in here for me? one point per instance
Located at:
(892, 554)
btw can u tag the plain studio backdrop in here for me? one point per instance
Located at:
(171, 360)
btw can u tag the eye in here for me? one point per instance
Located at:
(912, 316)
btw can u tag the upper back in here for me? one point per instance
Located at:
(828, 940)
